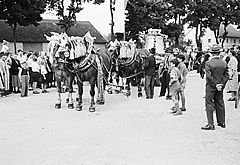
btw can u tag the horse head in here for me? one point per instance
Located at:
(89, 41)
(53, 45)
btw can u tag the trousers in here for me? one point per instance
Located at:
(214, 102)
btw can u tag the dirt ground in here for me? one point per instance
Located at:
(124, 131)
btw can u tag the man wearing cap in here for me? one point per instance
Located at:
(149, 68)
(216, 79)
(5, 47)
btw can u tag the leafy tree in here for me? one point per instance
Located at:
(197, 17)
(22, 13)
(67, 14)
(143, 14)
(177, 10)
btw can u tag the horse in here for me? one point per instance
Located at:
(128, 64)
(62, 67)
(94, 67)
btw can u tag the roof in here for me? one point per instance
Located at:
(232, 30)
(36, 34)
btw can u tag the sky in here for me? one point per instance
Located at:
(98, 15)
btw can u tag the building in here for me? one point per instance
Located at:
(233, 37)
(32, 37)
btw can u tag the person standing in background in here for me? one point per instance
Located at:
(183, 69)
(15, 71)
(5, 49)
(36, 75)
(175, 87)
(24, 77)
(232, 85)
(149, 69)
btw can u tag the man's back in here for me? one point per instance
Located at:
(216, 73)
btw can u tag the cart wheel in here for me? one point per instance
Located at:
(237, 97)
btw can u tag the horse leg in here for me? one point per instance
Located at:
(92, 103)
(58, 103)
(128, 92)
(139, 87)
(80, 92)
(69, 81)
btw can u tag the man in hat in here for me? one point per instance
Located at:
(5, 47)
(216, 79)
(149, 67)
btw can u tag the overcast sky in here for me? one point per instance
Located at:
(98, 15)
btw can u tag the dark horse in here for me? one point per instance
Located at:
(130, 69)
(94, 67)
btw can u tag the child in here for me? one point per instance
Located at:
(174, 85)
(24, 77)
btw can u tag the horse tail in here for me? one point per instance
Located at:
(100, 84)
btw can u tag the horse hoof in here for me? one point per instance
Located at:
(70, 106)
(57, 106)
(78, 108)
(77, 99)
(91, 109)
(67, 100)
(140, 95)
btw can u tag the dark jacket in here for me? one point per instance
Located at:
(15, 66)
(216, 73)
(150, 65)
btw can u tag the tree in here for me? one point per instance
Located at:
(177, 10)
(22, 13)
(67, 14)
(112, 9)
(197, 17)
(143, 14)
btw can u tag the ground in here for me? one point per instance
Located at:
(124, 131)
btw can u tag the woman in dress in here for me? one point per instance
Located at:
(232, 85)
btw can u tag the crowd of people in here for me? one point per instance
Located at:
(24, 71)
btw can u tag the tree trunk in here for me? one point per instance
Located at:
(224, 34)
(14, 28)
(112, 21)
(198, 37)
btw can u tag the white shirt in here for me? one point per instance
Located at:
(35, 67)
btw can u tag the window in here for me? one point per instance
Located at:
(209, 40)
(234, 41)
(226, 40)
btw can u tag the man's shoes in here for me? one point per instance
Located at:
(45, 91)
(172, 112)
(221, 125)
(36, 92)
(177, 113)
(183, 109)
(208, 127)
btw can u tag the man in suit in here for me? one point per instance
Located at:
(216, 79)
(149, 68)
